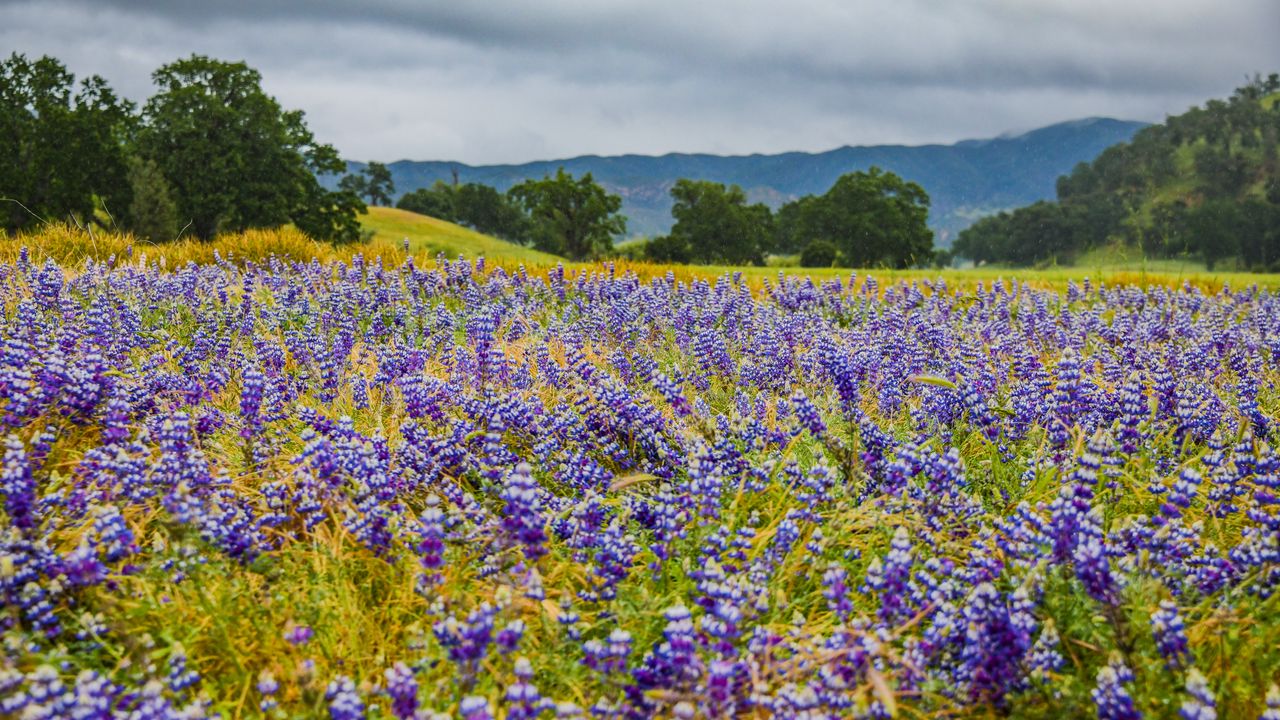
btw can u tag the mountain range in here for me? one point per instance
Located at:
(965, 180)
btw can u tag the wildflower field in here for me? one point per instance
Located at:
(394, 488)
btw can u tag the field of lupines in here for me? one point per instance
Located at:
(353, 490)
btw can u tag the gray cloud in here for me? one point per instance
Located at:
(506, 81)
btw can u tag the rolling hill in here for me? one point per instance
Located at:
(965, 181)
(432, 236)
(1204, 184)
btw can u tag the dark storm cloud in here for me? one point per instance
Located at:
(507, 81)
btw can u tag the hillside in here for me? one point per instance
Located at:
(965, 181)
(431, 236)
(1204, 184)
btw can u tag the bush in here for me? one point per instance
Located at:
(668, 249)
(818, 254)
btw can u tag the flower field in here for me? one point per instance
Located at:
(415, 490)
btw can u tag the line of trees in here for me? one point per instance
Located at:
(867, 219)
(1205, 183)
(209, 152)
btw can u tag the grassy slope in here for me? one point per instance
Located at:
(430, 236)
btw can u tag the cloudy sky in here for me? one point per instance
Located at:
(485, 81)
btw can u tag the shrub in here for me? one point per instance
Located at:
(818, 254)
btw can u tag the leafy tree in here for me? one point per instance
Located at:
(1167, 234)
(60, 147)
(355, 183)
(436, 201)
(378, 186)
(1259, 234)
(234, 158)
(574, 217)
(330, 216)
(786, 225)
(718, 225)
(818, 254)
(1214, 227)
(874, 218)
(485, 210)
(152, 213)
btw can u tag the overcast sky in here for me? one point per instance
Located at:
(487, 81)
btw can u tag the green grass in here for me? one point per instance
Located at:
(430, 236)
(1114, 265)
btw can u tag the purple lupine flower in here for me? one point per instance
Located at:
(1182, 494)
(115, 421)
(431, 547)
(474, 707)
(344, 701)
(180, 676)
(1273, 704)
(1091, 563)
(1044, 657)
(508, 638)
(253, 385)
(836, 591)
(889, 579)
(17, 485)
(1170, 635)
(402, 688)
(467, 641)
(1111, 697)
(522, 517)
(674, 663)
(1201, 704)
(298, 634)
(522, 698)
(267, 687)
(996, 639)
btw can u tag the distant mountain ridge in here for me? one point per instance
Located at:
(965, 180)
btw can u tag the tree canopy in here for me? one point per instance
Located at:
(714, 224)
(62, 147)
(874, 218)
(234, 158)
(573, 217)
(1197, 184)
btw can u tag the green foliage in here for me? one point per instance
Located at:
(479, 207)
(818, 254)
(484, 209)
(60, 147)
(330, 216)
(153, 215)
(1038, 233)
(573, 217)
(355, 183)
(874, 218)
(378, 185)
(717, 225)
(786, 226)
(436, 201)
(669, 249)
(234, 158)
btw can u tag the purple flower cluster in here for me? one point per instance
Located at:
(842, 497)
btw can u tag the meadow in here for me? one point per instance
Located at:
(262, 477)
